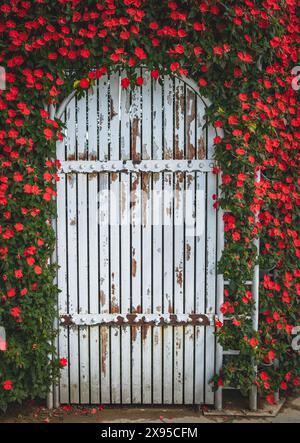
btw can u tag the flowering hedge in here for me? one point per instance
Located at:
(241, 53)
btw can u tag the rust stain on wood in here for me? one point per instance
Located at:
(178, 188)
(179, 277)
(113, 113)
(71, 179)
(114, 176)
(145, 330)
(201, 148)
(92, 175)
(93, 156)
(114, 306)
(178, 149)
(189, 179)
(168, 153)
(190, 118)
(134, 330)
(135, 156)
(104, 340)
(188, 251)
(83, 155)
(102, 298)
(71, 157)
(134, 267)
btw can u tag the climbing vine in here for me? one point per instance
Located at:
(241, 54)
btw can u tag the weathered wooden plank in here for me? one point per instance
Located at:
(157, 259)
(115, 91)
(210, 273)
(136, 253)
(179, 278)
(147, 238)
(189, 289)
(83, 288)
(62, 277)
(125, 248)
(94, 250)
(190, 276)
(168, 272)
(72, 224)
(200, 254)
(104, 242)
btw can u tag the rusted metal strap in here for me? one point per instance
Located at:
(126, 166)
(137, 319)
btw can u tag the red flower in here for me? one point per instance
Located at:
(11, 292)
(245, 57)
(38, 270)
(202, 82)
(19, 227)
(140, 81)
(15, 312)
(264, 376)
(197, 51)
(18, 273)
(179, 49)
(283, 386)
(84, 83)
(63, 362)
(125, 82)
(174, 66)
(140, 53)
(218, 51)
(155, 73)
(7, 385)
(270, 399)
(253, 342)
(48, 133)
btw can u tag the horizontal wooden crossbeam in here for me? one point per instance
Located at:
(126, 166)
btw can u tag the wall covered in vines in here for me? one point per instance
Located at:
(241, 53)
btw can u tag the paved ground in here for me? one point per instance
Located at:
(290, 413)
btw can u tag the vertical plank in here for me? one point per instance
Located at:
(200, 257)
(62, 277)
(168, 306)
(72, 224)
(179, 239)
(189, 267)
(115, 236)
(125, 248)
(210, 273)
(93, 242)
(157, 259)
(136, 256)
(104, 242)
(146, 239)
(82, 180)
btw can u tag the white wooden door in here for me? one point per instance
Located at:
(136, 246)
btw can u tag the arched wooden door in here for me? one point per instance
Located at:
(136, 246)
